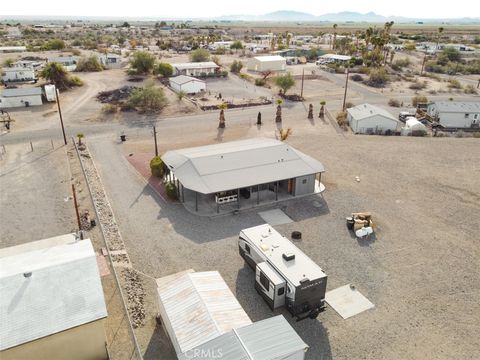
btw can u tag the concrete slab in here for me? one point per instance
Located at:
(347, 301)
(275, 217)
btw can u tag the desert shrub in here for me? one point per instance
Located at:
(401, 63)
(454, 84)
(75, 81)
(393, 103)
(76, 52)
(142, 62)
(90, 64)
(109, 109)
(342, 119)
(476, 135)
(284, 82)
(470, 89)
(260, 82)
(171, 190)
(419, 133)
(149, 99)
(157, 167)
(419, 99)
(356, 77)
(236, 67)
(418, 85)
(163, 69)
(460, 134)
(378, 78)
(199, 55)
(349, 105)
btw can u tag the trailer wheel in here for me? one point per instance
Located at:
(297, 235)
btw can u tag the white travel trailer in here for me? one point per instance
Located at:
(284, 275)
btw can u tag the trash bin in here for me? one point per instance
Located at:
(350, 222)
(123, 137)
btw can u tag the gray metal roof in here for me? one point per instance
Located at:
(183, 79)
(237, 164)
(364, 111)
(457, 106)
(62, 289)
(195, 65)
(21, 92)
(268, 339)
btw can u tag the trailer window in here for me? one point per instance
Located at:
(264, 281)
(281, 291)
(247, 248)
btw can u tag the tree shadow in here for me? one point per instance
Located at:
(220, 132)
(159, 345)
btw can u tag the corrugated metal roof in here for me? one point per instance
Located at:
(195, 65)
(458, 106)
(62, 292)
(268, 339)
(17, 69)
(199, 307)
(183, 79)
(269, 58)
(21, 92)
(232, 165)
(365, 111)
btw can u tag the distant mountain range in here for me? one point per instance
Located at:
(341, 17)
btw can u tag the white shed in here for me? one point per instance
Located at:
(187, 84)
(18, 74)
(412, 126)
(22, 97)
(267, 63)
(198, 307)
(370, 119)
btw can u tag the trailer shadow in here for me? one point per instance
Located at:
(312, 332)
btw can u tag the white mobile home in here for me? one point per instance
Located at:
(187, 84)
(11, 49)
(456, 114)
(22, 97)
(51, 303)
(274, 63)
(18, 74)
(370, 119)
(284, 275)
(111, 61)
(195, 68)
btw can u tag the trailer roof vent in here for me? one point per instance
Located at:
(288, 256)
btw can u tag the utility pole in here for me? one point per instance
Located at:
(423, 64)
(60, 113)
(303, 78)
(346, 86)
(155, 139)
(76, 207)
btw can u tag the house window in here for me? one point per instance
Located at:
(264, 281)
(466, 116)
(247, 248)
(475, 116)
(281, 291)
(304, 181)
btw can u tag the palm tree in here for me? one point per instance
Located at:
(440, 31)
(321, 114)
(334, 36)
(278, 117)
(221, 120)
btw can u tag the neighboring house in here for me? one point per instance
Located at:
(333, 58)
(11, 49)
(267, 63)
(22, 97)
(68, 62)
(195, 68)
(370, 119)
(203, 319)
(18, 74)
(242, 173)
(456, 114)
(220, 44)
(187, 84)
(35, 64)
(111, 61)
(51, 304)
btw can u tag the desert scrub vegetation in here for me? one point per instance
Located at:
(393, 103)
(418, 85)
(378, 78)
(149, 99)
(157, 167)
(419, 99)
(90, 64)
(56, 74)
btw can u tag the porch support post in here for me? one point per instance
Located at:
(258, 194)
(196, 201)
(238, 199)
(183, 192)
(276, 191)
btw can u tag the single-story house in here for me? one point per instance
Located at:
(267, 63)
(195, 68)
(332, 58)
(18, 74)
(187, 84)
(413, 126)
(456, 114)
(203, 319)
(370, 119)
(11, 49)
(51, 304)
(111, 61)
(242, 173)
(21, 97)
(68, 62)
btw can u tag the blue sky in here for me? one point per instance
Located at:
(212, 8)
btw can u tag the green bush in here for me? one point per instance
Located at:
(90, 64)
(157, 167)
(163, 69)
(199, 55)
(171, 190)
(356, 77)
(454, 84)
(236, 67)
(393, 103)
(142, 62)
(260, 82)
(378, 78)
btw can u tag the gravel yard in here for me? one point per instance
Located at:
(424, 198)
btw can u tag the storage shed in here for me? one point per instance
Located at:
(370, 119)
(197, 307)
(269, 339)
(21, 97)
(273, 63)
(187, 84)
(242, 173)
(413, 126)
(51, 303)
